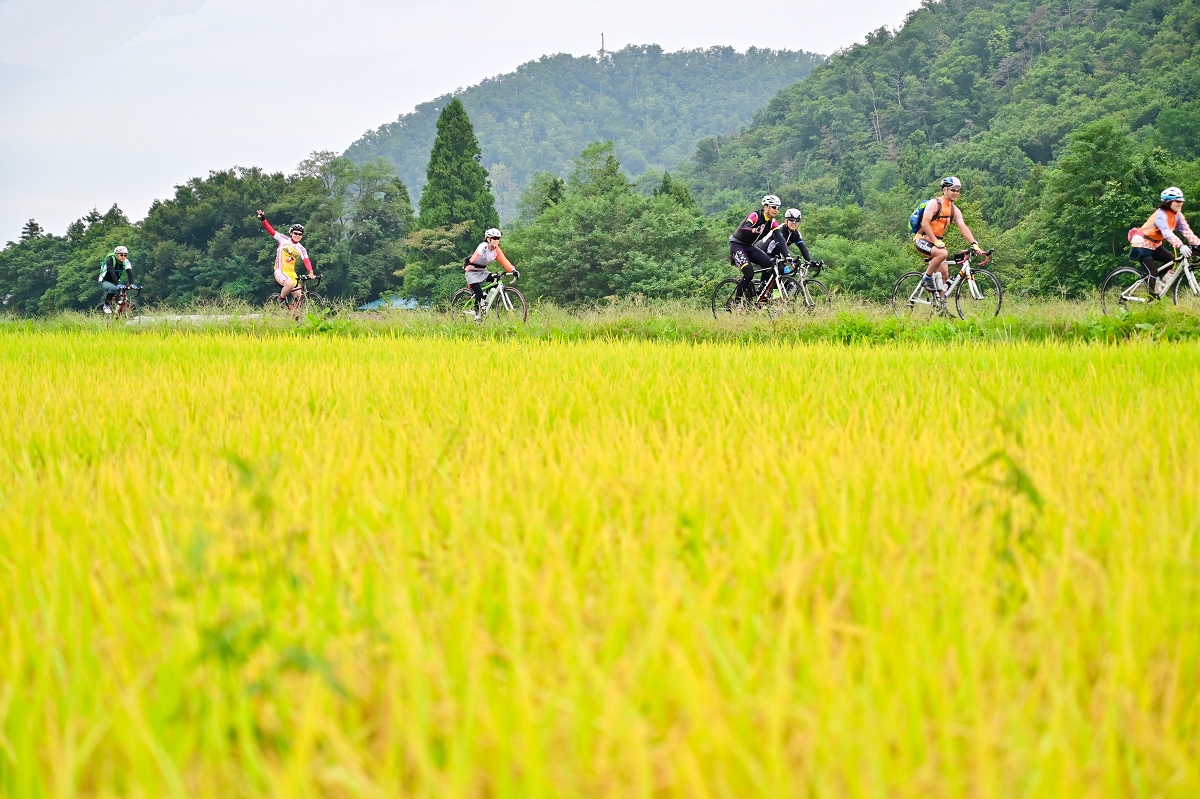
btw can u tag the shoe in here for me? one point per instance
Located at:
(927, 283)
(106, 309)
(478, 317)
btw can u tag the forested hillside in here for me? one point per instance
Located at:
(1064, 120)
(652, 105)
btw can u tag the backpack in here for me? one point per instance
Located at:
(914, 221)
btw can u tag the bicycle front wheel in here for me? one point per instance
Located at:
(1185, 297)
(815, 297)
(1124, 289)
(910, 300)
(723, 299)
(981, 300)
(510, 305)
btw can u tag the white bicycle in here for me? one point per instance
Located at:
(912, 298)
(1125, 288)
(501, 299)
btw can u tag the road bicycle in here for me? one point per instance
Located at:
(977, 293)
(295, 303)
(123, 302)
(1125, 287)
(791, 285)
(503, 300)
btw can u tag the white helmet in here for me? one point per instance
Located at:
(492, 233)
(121, 251)
(771, 201)
(791, 213)
(1170, 194)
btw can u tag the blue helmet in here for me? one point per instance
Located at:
(1171, 194)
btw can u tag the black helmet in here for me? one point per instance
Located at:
(297, 228)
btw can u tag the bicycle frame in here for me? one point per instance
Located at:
(497, 290)
(1184, 270)
(963, 261)
(775, 281)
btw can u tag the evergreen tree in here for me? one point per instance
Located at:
(31, 230)
(457, 188)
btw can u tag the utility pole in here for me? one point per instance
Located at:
(602, 51)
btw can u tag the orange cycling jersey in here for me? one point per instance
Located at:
(939, 222)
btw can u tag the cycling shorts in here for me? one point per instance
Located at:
(280, 275)
(924, 246)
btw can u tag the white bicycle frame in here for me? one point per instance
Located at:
(1185, 268)
(800, 276)
(490, 298)
(917, 297)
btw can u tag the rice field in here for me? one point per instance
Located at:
(239, 564)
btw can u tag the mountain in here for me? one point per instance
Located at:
(653, 105)
(997, 92)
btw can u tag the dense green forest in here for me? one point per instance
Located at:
(1064, 120)
(652, 105)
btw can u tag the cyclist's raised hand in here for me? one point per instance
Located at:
(261, 216)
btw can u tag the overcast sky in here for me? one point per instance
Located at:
(119, 100)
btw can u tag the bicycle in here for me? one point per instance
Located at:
(122, 303)
(792, 285)
(911, 298)
(507, 302)
(1127, 285)
(296, 301)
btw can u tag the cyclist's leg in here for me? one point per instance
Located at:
(935, 259)
(110, 291)
(288, 285)
(477, 290)
(1150, 262)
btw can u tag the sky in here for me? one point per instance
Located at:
(105, 101)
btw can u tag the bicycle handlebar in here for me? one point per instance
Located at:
(317, 278)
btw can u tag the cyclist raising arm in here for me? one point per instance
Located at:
(1146, 242)
(115, 262)
(935, 218)
(289, 252)
(476, 266)
(742, 252)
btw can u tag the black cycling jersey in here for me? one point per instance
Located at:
(111, 268)
(780, 239)
(753, 227)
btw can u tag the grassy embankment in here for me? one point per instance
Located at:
(844, 322)
(241, 564)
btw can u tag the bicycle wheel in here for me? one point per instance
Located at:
(910, 301)
(818, 297)
(510, 306)
(723, 299)
(987, 304)
(1124, 289)
(1184, 296)
(462, 303)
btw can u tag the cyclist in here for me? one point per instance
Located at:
(784, 237)
(114, 264)
(937, 215)
(476, 265)
(1146, 242)
(289, 252)
(743, 253)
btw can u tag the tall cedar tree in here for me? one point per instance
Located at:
(458, 189)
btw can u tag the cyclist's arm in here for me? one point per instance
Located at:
(503, 259)
(1182, 226)
(304, 257)
(803, 247)
(962, 227)
(129, 271)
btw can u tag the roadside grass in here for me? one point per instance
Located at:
(846, 321)
(396, 561)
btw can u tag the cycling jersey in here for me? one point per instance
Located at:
(939, 222)
(781, 239)
(485, 254)
(753, 227)
(288, 254)
(109, 271)
(1161, 226)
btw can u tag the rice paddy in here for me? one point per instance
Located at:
(242, 564)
